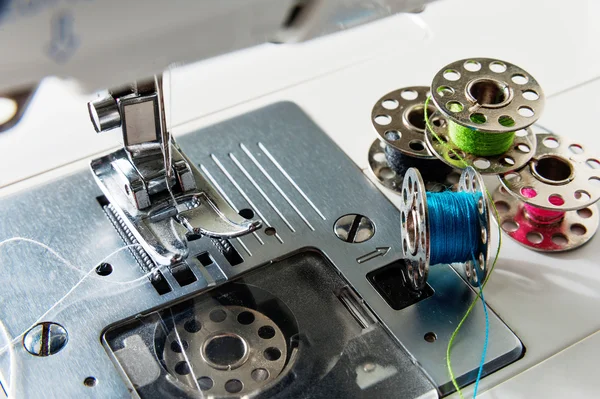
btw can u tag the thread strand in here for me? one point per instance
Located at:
(479, 294)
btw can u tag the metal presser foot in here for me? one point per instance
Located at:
(156, 194)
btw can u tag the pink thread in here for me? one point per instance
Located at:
(539, 215)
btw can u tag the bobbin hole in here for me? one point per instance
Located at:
(379, 157)
(383, 120)
(576, 149)
(550, 142)
(552, 169)
(445, 91)
(502, 206)
(593, 163)
(584, 213)
(578, 229)
(481, 163)
(409, 95)
(411, 231)
(510, 226)
(535, 237)
(497, 67)
(390, 104)
(560, 239)
(582, 195)
(392, 135)
(489, 92)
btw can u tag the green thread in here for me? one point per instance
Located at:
(477, 142)
(472, 306)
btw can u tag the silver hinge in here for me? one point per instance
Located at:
(157, 191)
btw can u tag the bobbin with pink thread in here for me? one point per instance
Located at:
(548, 205)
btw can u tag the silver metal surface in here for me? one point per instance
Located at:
(45, 339)
(488, 95)
(104, 113)
(414, 214)
(162, 229)
(561, 176)
(518, 155)
(262, 356)
(416, 238)
(392, 180)
(476, 270)
(249, 174)
(157, 193)
(399, 119)
(354, 228)
(571, 231)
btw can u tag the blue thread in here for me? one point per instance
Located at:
(487, 336)
(453, 226)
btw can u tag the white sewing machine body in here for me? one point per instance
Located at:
(273, 158)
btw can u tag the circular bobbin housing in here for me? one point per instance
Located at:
(416, 236)
(560, 177)
(490, 96)
(573, 230)
(226, 351)
(392, 180)
(399, 119)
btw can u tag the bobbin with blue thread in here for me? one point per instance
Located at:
(548, 205)
(417, 231)
(490, 98)
(398, 118)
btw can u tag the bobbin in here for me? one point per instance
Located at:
(416, 236)
(398, 118)
(560, 177)
(489, 96)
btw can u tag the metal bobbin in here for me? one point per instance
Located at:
(560, 177)
(416, 238)
(398, 118)
(225, 351)
(490, 96)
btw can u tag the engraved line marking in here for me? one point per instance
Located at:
(237, 186)
(244, 245)
(235, 208)
(289, 178)
(260, 190)
(380, 251)
(268, 176)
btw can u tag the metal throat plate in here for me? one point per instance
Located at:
(278, 163)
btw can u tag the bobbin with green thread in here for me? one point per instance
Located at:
(416, 231)
(490, 106)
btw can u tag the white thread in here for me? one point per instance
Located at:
(12, 342)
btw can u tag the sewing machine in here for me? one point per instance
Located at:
(260, 259)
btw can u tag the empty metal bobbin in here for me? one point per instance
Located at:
(399, 119)
(489, 96)
(416, 236)
(225, 351)
(561, 178)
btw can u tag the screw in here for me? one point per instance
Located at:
(369, 367)
(354, 228)
(45, 339)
